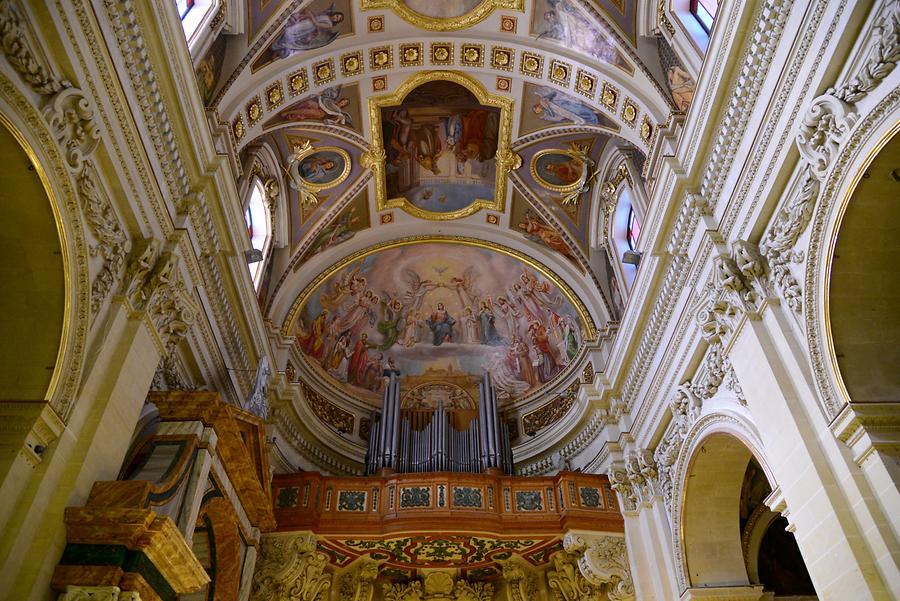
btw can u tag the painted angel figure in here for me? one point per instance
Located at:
(465, 287)
(327, 107)
(557, 107)
(307, 30)
(418, 288)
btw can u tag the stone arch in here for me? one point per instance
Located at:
(862, 287)
(709, 474)
(51, 196)
(870, 134)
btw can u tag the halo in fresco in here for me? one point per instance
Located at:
(441, 313)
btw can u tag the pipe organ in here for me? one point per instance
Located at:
(438, 440)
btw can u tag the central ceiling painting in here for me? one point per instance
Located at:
(441, 313)
(441, 147)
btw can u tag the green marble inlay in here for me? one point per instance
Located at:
(117, 555)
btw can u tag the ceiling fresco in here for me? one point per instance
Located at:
(484, 121)
(434, 310)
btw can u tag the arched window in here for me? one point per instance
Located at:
(184, 6)
(705, 12)
(634, 229)
(259, 229)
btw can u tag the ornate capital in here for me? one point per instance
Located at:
(603, 561)
(520, 585)
(98, 593)
(291, 569)
(619, 481)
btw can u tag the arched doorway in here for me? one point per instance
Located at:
(33, 275)
(731, 538)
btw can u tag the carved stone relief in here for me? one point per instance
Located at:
(291, 569)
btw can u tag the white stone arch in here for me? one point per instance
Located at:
(868, 136)
(734, 440)
(27, 124)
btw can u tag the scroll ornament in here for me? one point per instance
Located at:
(603, 561)
(291, 569)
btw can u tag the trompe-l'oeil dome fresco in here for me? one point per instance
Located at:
(442, 313)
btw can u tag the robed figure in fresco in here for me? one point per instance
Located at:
(441, 325)
(307, 30)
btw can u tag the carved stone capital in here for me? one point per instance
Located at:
(290, 568)
(619, 481)
(603, 561)
(520, 585)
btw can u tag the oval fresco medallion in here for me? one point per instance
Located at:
(558, 170)
(442, 313)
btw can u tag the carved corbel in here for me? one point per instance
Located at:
(603, 561)
(142, 259)
(567, 583)
(823, 129)
(71, 118)
(291, 569)
(520, 585)
(359, 584)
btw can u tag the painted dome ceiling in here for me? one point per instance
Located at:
(443, 174)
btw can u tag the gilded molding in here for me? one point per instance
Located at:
(474, 16)
(506, 159)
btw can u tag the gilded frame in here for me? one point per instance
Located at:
(589, 328)
(568, 188)
(506, 159)
(308, 150)
(474, 16)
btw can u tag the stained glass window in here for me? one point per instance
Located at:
(705, 12)
(634, 229)
(258, 229)
(184, 6)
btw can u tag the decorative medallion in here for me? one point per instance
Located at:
(323, 72)
(409, 158)
(502, 58)
(472, 55)
(504, 84)
(379, 83)
(532, 64)
(568, 172)
(441, 53)
(387, 218)
(508, 24)
(237, 128)
(646, 130)
(629, 112)
(376, 24)
(254, 111)
(274, 95)
(411, 55)
(381, 58)
(298, 82)
(609, 97)
(313, 170)
(287, 497)
(586, 83)
(351, 64)
(560, 73)
(492, 219)
(443, 15)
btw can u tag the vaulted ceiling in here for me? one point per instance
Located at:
(442, 175)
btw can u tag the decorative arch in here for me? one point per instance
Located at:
(714, 457)
(869, 135)
(29, 128)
